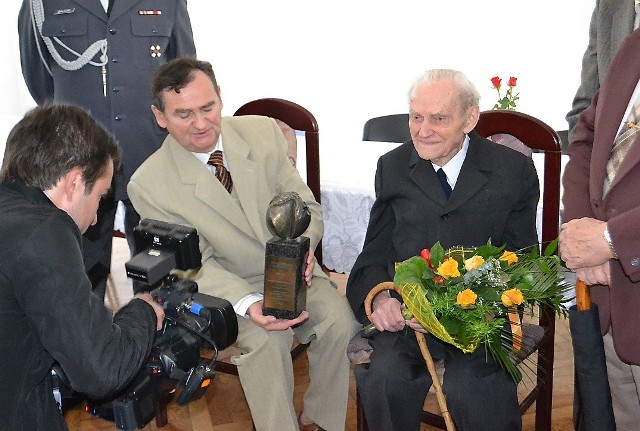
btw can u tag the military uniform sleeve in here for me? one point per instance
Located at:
(33, 55)
(182, 44)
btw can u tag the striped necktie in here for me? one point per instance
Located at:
(621, 145)
(222, 173)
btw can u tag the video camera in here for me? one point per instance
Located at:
(192, 321)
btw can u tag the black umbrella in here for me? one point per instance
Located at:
(592, 397)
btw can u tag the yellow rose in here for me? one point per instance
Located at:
(466, 298)
(473, 262)
(512, 297)
(449, 268)
(509, 256)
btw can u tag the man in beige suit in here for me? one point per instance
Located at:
(177, 185)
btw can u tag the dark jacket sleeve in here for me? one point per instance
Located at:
(575, 179)
(519, 230)
(100, 353)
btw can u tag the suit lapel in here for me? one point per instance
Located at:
(206, 187)
(615, 98)
(472, 178)
(424, 176)
(245, 177)
(94, 7)
(120, 7)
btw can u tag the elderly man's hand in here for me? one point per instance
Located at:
(599, 274)
(387, 313)
(582, 243)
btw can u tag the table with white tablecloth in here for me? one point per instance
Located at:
(347, 195)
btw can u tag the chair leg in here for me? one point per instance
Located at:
(544, 401)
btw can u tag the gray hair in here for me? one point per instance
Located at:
(468, 93)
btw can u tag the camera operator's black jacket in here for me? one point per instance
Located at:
(48, 314)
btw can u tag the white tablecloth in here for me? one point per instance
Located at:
(347, 193)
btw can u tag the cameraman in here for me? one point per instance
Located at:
(58, 164)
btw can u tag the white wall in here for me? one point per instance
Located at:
(349, 60)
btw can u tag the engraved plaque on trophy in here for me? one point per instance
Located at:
(285, 290)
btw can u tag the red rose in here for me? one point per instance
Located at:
(512, 81)
(496, 81)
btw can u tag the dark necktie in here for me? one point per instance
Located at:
(221, 172)
(443, 182)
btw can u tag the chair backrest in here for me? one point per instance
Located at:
(540, 138)
(298, 118)
(389, 128)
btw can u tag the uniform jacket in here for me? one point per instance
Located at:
(583, 182)
(611, 22)
(136, 45)
(174, 186)
(48, 314)
(495, 197)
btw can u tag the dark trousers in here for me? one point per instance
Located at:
(480, 394)
(98, 241)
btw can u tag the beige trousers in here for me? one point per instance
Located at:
(624, 382)
(266, 371)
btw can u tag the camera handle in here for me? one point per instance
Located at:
(197, 383)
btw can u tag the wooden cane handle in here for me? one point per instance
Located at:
(583, 297)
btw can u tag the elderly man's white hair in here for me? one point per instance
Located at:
(469, 95)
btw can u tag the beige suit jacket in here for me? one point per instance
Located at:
(174, 186)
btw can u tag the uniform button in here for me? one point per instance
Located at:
(635, 261)
(114, 60)
(63, 31)
(118, 118)
(115, 89)
(444, 216)
(113, 31)
(154, 30)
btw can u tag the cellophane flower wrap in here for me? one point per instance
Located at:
(464, 296)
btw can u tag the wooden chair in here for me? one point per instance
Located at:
(538, 136)
(298, 118)
(388, 128)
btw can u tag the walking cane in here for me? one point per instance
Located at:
(422, 342)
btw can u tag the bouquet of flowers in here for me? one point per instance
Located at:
(469, 296)
(508, 101)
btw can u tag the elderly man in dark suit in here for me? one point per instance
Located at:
(100, 54)
(600, 238)
(494, 194)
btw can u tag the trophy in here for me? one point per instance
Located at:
(285, 290)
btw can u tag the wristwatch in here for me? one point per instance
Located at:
(607, 238)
